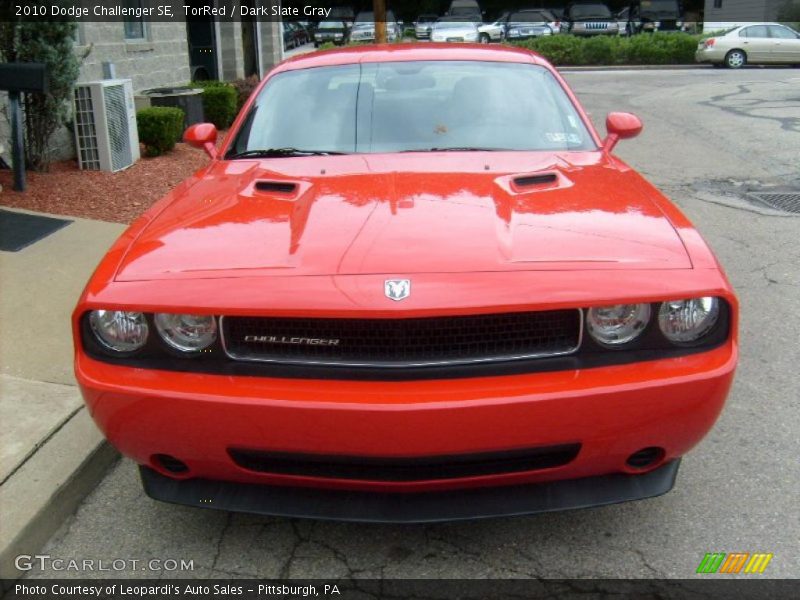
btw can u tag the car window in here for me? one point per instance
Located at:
(754, 31)
(414, 105)
(783, 33)
(589, 11)
(528, 17)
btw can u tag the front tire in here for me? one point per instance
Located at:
(484, 38)
(735, 59)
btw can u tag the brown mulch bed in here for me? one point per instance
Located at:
(119, 197)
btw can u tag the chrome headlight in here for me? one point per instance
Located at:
(686, 321)
(119, 330)
(617, 324)
(186, 333)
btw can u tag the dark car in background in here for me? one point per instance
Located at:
(330, 31)
(342, 13)
(647, 16)
(589, 18)
(530, 23)
(294, 35)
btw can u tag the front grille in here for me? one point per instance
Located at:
(403, 342)
(595, 25)
(367, 468)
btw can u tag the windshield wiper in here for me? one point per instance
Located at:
(280, 152)
(456, 149)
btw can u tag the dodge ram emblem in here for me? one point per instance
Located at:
(397, 289)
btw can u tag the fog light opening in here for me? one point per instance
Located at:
(170, 464)
(645, 458)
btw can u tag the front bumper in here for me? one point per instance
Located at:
(612, 412)
(382, 507)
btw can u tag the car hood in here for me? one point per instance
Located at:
(407, 213)
(451, 31)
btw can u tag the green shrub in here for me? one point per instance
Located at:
(558, 49)
(160, 127)
(219, 105)
(244, 89)
(646, 49)
(207, 83)
(51, 42)
(658, 49)
(600, 50)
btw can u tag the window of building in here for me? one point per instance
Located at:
(134, 26)
(717, 3)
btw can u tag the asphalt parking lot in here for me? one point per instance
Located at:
(710, 136)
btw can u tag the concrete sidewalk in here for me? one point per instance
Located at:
(51, 453)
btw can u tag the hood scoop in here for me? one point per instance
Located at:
(520, 184)
(280, 187)
(534, 181)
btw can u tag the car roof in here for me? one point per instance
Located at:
(410, 52)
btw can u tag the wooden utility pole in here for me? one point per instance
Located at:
(379, 10)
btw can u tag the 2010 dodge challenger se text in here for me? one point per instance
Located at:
(412, 285)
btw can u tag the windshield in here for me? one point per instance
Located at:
(660, 7)
(464, 11)
(331, 25)
(527, 17)
(413, 106)
(589, 11)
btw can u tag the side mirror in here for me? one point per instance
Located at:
(202, 135)
(620, 126)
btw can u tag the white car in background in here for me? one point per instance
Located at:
(448, 30)
(363, 29)
(756, 43)
(493, 32)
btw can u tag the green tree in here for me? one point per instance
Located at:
(52, 43)
(789, 12)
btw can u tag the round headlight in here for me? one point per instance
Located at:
(617, 324)
(187, 333)
(119, 330)
(686, 321)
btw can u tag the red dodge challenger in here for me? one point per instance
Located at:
(414, 284)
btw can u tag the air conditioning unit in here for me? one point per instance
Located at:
(105, 125)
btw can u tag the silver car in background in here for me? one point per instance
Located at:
(448, 30)
(423, 26)
(756, 43)
(363, 30)
(528, 23)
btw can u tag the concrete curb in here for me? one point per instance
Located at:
(637, 68)
(49, 487)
